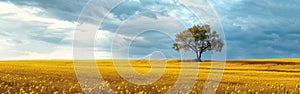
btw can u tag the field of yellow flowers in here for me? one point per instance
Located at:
(253, 76)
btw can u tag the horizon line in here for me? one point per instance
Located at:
(143, 58)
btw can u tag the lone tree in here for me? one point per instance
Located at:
(199, 39)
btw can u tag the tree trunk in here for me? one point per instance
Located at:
(199, 59)
(199, 56)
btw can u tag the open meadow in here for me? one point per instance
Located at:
(253, 76)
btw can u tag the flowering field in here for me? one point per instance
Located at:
(261, 76)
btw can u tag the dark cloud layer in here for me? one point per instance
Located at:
(260, 29)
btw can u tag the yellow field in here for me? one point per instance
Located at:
(262, 76)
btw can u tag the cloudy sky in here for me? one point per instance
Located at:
(44, 29)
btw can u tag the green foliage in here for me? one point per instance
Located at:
(199, 39)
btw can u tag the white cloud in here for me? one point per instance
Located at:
(8, 8)
(136, 1)
(18, 26)
(62, 52)
(59, 53)
(102, 55)
(31, 14)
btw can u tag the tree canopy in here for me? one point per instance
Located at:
(198, 39)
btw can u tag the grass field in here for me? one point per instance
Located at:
(253, 76)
